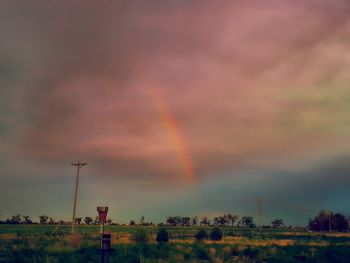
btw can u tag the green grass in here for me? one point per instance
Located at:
(34, 243)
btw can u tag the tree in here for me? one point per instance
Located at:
(216, 234)
(194, 221)
(231, 219)
(43, 219)
(51, 221)
(277, 223)
(78, 220)
(171, 221)
(27, 220)
(201, 235)
(205, 221)
(185, 221)
(247, 221)
(16, 219)
(162, 236)
(88, 220)
(142, 220)
(339, 222)
(132, 223)
(220, 220)
(321, 222)
(327, 221)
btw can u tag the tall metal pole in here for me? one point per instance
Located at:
(78, 165)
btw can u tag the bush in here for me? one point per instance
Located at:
(201, 235)
(201, 252)
(162, 236)
(140, 236)
(250, 252)
(216, 234)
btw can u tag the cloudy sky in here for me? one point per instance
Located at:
(178, 107)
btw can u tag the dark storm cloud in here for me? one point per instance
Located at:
(249, 84)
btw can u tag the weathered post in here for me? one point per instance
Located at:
(105, 244)
(78, 165)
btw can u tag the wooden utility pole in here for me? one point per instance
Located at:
(259, 201)
(78, 165)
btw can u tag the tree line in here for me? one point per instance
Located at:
(323, 221)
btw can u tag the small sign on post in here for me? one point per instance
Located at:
(102, 214)
(105, 245)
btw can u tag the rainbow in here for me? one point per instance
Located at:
(175, 136)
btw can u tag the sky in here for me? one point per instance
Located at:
(190, 108)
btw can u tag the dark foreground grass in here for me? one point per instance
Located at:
(192, 253)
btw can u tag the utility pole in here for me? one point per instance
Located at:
(78, 165)
(259, 201)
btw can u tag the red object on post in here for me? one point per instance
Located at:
(102, 213)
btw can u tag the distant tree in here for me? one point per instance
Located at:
(216, 234)
(142, 220)
(78, 220)
(220, 221)
(51, 221)
(231, 219)
(162, 236)
(277, 223)
(109, 221)
(216, 221)
(88, 220)
(132, 223)
(326, 221)
(185, 221)
(339, 222)
(205, 221)
(247, 221)
(96, 221)
(43, 219)
(171, 221)
(194, 221)
(321, 221)
(27, 220)
(15, 219)
(177, 220)
(201, 235)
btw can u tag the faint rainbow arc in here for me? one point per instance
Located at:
(176, 138)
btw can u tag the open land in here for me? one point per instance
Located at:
(36, 243)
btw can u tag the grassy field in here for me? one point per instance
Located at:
(35, 243)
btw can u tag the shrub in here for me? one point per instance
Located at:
(201, 252)
(216, 234)
(162, 236)
(140, 236)
(250, 252)
(201, 235)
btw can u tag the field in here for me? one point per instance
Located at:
(35, 243)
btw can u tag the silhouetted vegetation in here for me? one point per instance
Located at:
(216, 234)
(327, 221)
(162, 236)
(277, 223)
(140, 236)
(201, 235)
